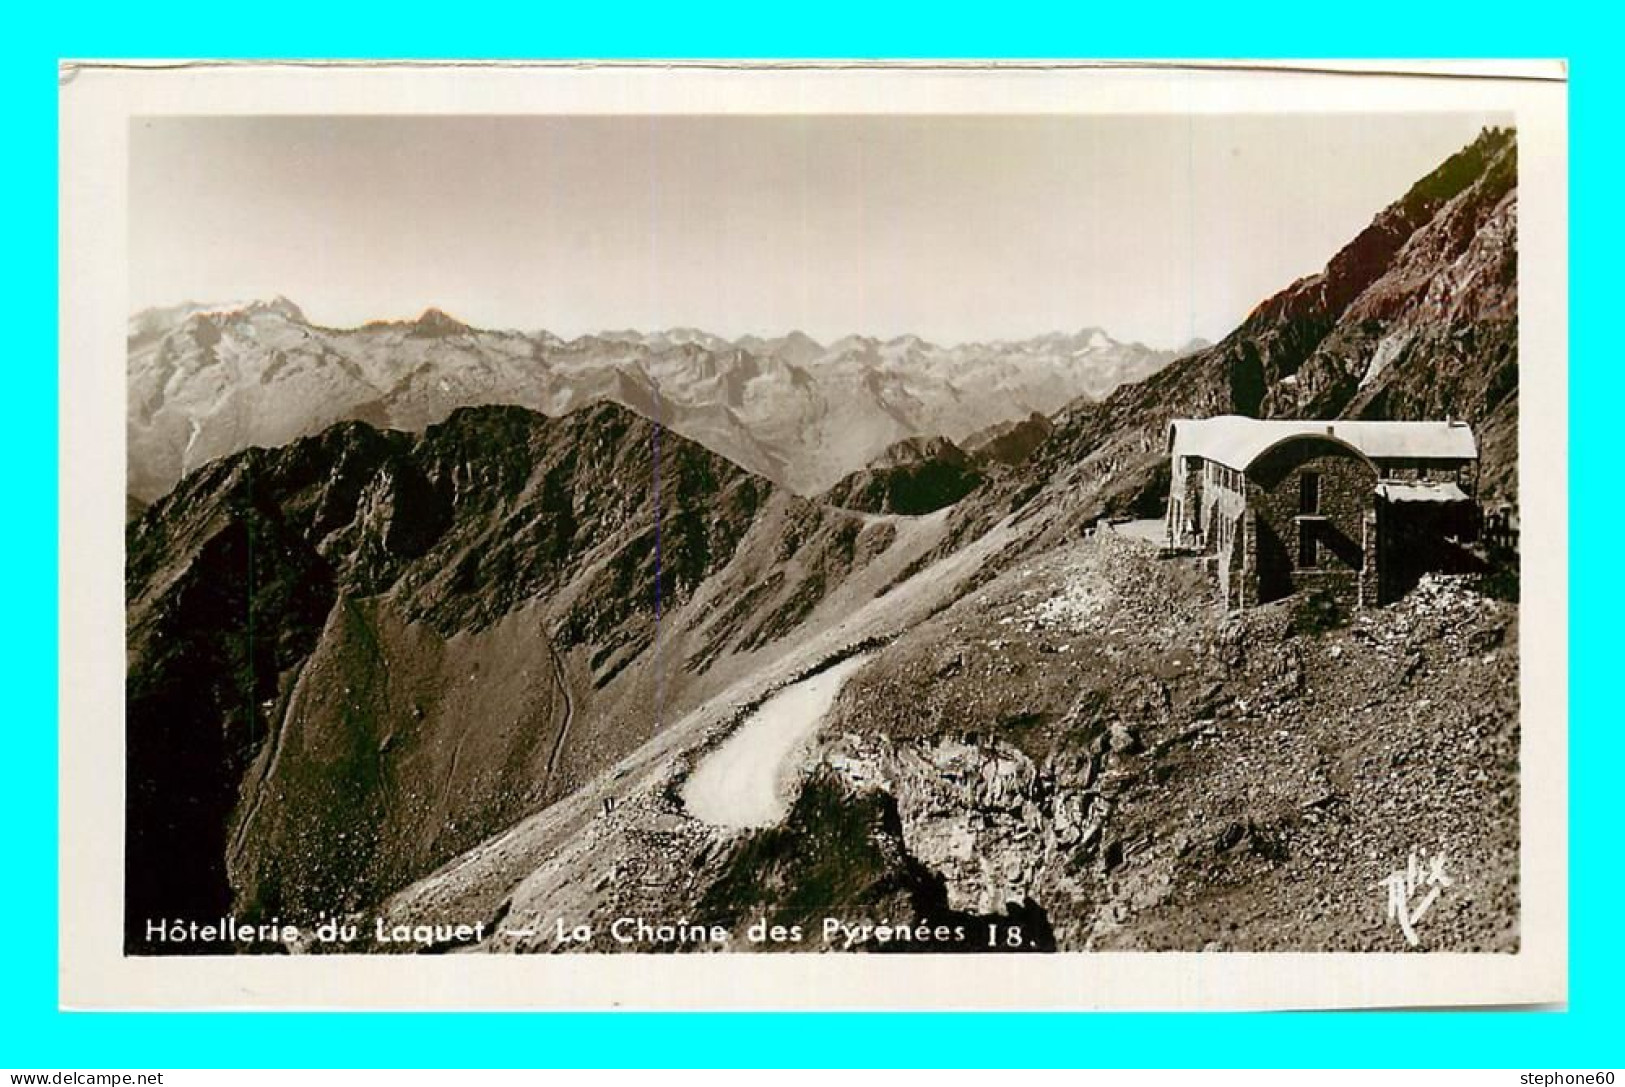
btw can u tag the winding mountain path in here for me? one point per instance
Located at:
(748, 781)
(564, 726)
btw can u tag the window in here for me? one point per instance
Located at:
(1308, 546)
(1309, 494)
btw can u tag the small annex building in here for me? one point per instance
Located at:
(1359, 509)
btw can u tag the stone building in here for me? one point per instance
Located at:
(1358, 509)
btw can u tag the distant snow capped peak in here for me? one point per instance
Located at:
(437, 322)
(797, 348)
(158, 320)
(282, 306)
(794, 348)
(907, 350)
(684, 336)
(853, 344)
(1089, 338)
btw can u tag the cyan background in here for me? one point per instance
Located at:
(32, 37)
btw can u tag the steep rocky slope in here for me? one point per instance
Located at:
(355, 656)
(1081, 754)
(1010, 442)
(1086, 735)
(624, 846)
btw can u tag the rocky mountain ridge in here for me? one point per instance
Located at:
(358, 654)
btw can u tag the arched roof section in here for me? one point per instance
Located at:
(1315, 437)
(1236, 441)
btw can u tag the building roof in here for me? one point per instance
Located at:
(1236, 441)
(1421, 492)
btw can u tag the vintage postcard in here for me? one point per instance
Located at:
(819, 535)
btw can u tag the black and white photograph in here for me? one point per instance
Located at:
(826, 533)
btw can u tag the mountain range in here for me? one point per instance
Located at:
(206, 381)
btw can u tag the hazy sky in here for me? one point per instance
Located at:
(956, 228)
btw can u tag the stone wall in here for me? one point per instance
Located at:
(1185, 503)
(1370, 545)
(1347, 494)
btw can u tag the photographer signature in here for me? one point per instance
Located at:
(1423, 875)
